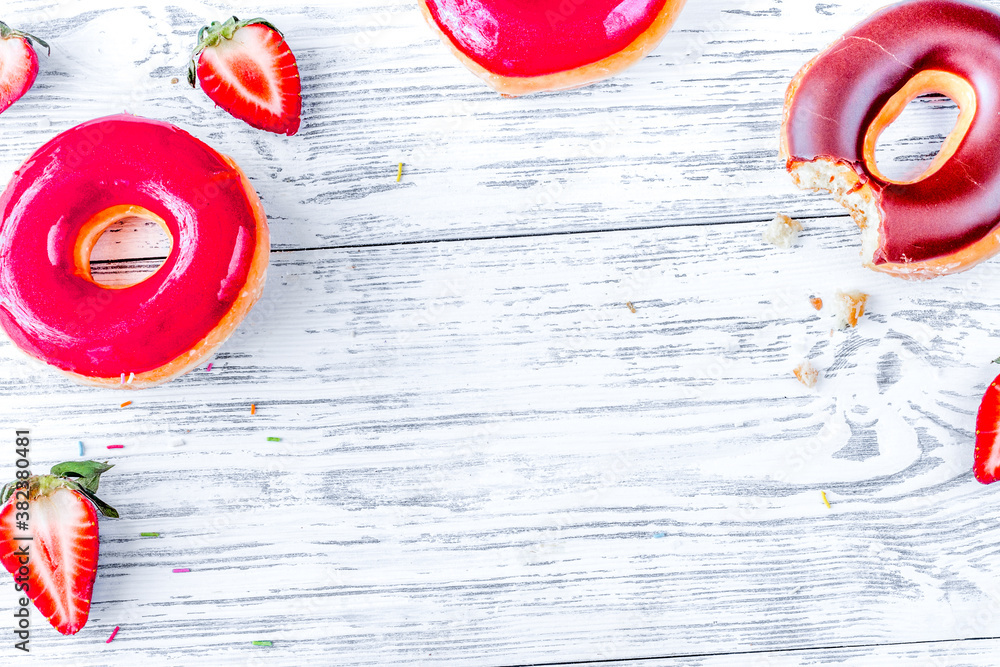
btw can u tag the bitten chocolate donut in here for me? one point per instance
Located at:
(77, 185)
(946, 219)
(521, 47)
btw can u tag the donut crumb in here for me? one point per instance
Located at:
(816, 302)
(782, 231)
(806, 374)
(850, 308)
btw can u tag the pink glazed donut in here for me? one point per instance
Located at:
(76, 186)
(527, 46)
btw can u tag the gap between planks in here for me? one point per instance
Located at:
(477, 239)
(764, 653)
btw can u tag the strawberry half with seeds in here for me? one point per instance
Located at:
(59, 512)
(986, 463)
(18, 64)
(246, 68)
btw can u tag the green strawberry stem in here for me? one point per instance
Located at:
(80, 476)
(6, 31)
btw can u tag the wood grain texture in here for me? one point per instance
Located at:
(932, 654)
(485, 456)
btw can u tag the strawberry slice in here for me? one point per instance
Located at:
(59, 512)
(986, 464)
(18, 64)
(246, 68)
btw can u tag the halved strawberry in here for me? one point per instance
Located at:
(48, 524)
(986, 463)
(18, 64)
(246, 68)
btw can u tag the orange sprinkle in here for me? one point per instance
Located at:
(630, 306)
(126, 404)
(253, 408)
(816, 302)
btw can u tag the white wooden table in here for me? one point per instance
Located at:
(485, 456)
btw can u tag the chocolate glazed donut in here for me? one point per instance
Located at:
(946, 219)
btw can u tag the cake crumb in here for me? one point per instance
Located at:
(850, 308)
(806, 374)
(782, 231)
(816, 302)
(630, 306)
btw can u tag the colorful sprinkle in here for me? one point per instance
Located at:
(116, 446)
(399, 174)
(253, 408)
(126, 404)
(272, 439)
(209, 369)
(81, 447)
(659, 535)
(262, 643)
(149, 534)
(630, 306)
(181, 570)
(131, 378)
(115, 632)
(123, 378)
(826, 501)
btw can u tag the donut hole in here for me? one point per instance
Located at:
(928, 87)
(908, 146)
(122, 247)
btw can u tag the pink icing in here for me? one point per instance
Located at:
(79, 326)
(522, 38)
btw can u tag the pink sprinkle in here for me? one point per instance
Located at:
(181, 570)
(209, 369)
(112, 635)
(116, 446)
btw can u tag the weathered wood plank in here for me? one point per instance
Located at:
(486, 456)
(972, 653)
(689, 134)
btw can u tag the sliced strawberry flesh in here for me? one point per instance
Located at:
(254, 76)
(18, 69)
(986, 464)
(62, 556)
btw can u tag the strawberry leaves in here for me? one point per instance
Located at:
(80, 476)
(7, 32)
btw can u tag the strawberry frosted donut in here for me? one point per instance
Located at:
(527, 46)
(79, 184)
(948, 218)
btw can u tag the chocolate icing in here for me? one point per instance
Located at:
(846, 87)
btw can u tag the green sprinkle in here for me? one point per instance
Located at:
(274, 439)
(149, 534)
(262, 643)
